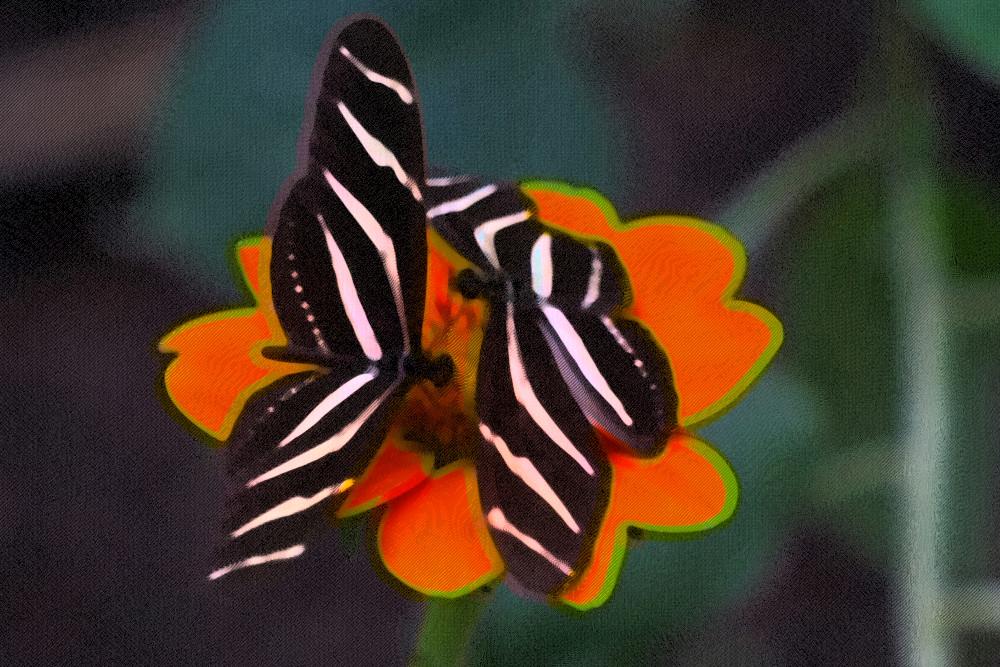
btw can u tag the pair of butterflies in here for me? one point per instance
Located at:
(348, 273)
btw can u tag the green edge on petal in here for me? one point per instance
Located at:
(734, 245)
(218, 434)
(732, 487)
(243, 281)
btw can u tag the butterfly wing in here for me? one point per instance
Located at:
(618, 374)
(543, 479)
(350, 256)
(610, 363)
(296, 448)
(468, 214)
(348, 269)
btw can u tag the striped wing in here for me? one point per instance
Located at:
(617, 373)
(611, 364)
(469, 214)
(542, 476)
(348, 271)
(349, 260)
(299, 445)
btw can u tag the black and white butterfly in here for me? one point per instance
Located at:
(348, 272)
(559, 359)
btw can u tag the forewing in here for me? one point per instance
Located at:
(617, 373)
(586, 274)
(542, 476)
(298, 446)
(610, 364)
(360, 188)
(469, 214)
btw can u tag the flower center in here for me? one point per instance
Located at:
(440, 417)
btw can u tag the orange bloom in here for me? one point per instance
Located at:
(219, 363)
(431, 533)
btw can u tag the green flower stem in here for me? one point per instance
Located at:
(917, 261)
(447, 629)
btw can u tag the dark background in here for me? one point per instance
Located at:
(853, 146)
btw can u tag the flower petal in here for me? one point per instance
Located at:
(688, 488)
(434, 538)
(392, 472)
(684, 273)
(218, 364)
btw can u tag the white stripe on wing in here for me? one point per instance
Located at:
(497, 519)
(404, 93)
(378, 152)
(284, 554)
(332, 444)
(291, 507)
(383, 244)
(528, 473)
(579, 353)
(526, 397)
(349, 296)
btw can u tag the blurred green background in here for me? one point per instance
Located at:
(854, 147)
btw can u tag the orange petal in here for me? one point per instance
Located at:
(439, 306)
(434, 538)
(218, 364)
(684, 273)
(394, 471)
(688, 488)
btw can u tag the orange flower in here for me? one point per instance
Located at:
(219, 363)
(431, 533)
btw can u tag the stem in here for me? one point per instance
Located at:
(923, 291)
(447, 629)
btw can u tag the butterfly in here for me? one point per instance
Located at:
(348, 271)
(560, 362)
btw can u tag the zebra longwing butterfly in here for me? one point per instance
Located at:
(348, 272)
(559, 359)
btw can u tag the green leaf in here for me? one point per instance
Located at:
(841, 332)
(970, 27)
(839, 316)
(970, 211)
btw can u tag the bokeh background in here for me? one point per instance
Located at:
(853, 146)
